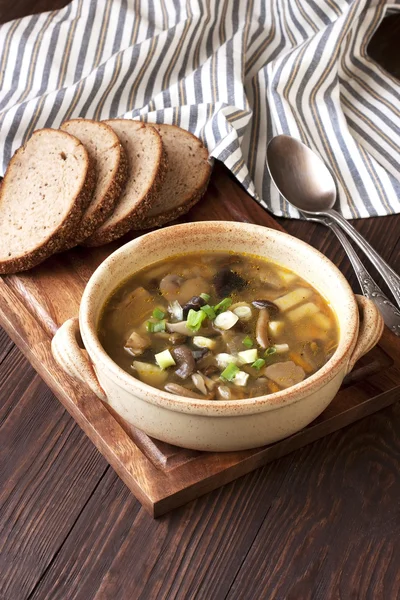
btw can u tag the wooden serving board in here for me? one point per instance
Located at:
(34, 304)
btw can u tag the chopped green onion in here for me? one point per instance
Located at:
(282, 348)
(248, 356)
(226, 320)
(270, 351)
(155, 327)
(204, 342)
(258, 364)
(158, 313)
(205, 297)
(176, 310)
(223, 305)
(164, 359)
(195, 319)
(230, 372)
(248, 342)
(241, 378)
(209, 311)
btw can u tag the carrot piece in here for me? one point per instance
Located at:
(272, 386)
(299, 360)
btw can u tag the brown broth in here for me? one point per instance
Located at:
(312, 339)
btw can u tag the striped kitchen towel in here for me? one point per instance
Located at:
(233, 72)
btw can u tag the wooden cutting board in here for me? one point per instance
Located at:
(34, 304)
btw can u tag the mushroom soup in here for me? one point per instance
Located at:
(218, 326)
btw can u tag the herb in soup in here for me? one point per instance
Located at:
(218, 326)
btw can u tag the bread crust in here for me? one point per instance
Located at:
(64, 231)
(167, 217)
(148, 221)
(116, 230)
(118, 181)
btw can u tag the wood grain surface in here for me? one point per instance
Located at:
(322, 523)
(34, 304)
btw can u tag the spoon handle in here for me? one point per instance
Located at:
(370, 289)
(390, 276)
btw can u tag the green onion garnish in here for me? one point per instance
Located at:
(195, 319)
(223, 305)
(165, 359)
(270, 351)
(230, 372)
(158, 313)
(205, 297)
(209, 311)
(258, 364)
(156, 327)
(248, 342)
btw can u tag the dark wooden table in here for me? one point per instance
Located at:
(322, 523)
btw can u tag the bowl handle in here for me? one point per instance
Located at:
(67, 347)
(371, 329)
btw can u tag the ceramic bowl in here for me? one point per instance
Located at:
(205, 424)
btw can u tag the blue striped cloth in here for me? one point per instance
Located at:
(233, 72)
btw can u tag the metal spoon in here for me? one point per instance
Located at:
(304, 180)
(370, 289)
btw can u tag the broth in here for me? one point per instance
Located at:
(218, 326)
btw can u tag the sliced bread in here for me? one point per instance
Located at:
(147, 165)
(108, 156)
(47, 186)
(188, 174)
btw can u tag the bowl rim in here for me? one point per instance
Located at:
(276, 400)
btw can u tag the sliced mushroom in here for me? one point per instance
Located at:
(227, 281)
(199, 353)
(226, 393)
(262, 328)
(207, 364)
(285, 374)
(199, 382)
(173, 338)
(233, 341)
(179, 390)
(195, 303)
(177, 338)
(136, 344)
(184, 359)
(271, 306)
(170, 286)
(210, 383)
(181, 328)
(192, 287)
(210, 370)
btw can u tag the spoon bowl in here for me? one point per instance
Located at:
(300, 175)
(306, 183)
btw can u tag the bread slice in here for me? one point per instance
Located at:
(108, 156)
(147, 164)
(47, 186)
(187, 177)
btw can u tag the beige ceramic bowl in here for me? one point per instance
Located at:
(205, 424)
